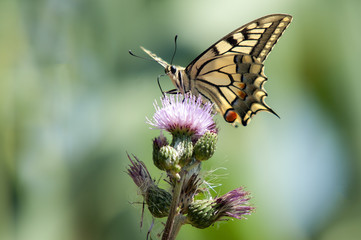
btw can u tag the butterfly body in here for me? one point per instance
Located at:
(230, 72)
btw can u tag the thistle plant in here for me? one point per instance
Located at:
(194, 137)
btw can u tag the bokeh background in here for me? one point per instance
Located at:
(73, 101)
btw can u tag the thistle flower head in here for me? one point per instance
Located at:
(203, 213)
(234, 204)
(184, 114)
(157, 199)
(140, 175)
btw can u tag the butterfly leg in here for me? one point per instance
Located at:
(172, 91)
(160, 87)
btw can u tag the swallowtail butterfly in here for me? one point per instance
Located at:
(230, 72)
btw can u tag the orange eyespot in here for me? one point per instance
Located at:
(230, 116)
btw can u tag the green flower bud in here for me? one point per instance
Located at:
(205, 146)
(201, 213)
(158, 201)
(184, 146)
(168, 159)
(157, 144)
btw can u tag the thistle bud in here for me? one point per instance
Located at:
(168, 159)
(205, 146)
(184, 146)
(201, 213)
(158, 201)
(158, 143)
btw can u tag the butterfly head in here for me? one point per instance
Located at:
(176, 73)
(170, 69)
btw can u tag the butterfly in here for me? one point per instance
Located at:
(230, 72)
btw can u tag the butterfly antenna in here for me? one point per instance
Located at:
(175, 49)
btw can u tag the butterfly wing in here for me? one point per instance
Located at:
(155, 57)
(230, 72)
(235, 84)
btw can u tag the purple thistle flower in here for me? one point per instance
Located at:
(157, 199)
(183, 114)
(233, 204)
(204, 213)
(140, 175)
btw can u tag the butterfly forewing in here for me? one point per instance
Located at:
(255, 38)
(230, 72)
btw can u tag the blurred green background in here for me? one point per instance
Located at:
(73, 101)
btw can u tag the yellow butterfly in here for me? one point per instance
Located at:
(230, 72)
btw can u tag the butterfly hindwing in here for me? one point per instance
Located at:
(235, 84)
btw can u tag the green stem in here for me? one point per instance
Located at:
(173, 211)
(179, 220)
